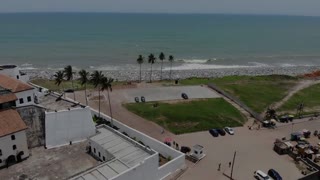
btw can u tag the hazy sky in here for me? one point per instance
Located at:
(291, 7)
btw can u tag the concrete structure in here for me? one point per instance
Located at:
(13, 140)
(24, 92)
(125, 159)
(68, 126)
(14, 72)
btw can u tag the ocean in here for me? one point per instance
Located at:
(111, 41)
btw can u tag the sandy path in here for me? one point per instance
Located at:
(301, 85)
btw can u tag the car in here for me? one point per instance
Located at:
(143, 99)
(214, 132)
(221, 132)
(261, 175)
(136, 99)
(184, 96)
(229, 130)
(274, 174)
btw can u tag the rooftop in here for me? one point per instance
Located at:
(51, 104)
(13, 84)
(10, 122)
(127, 153)
(6, 96)
(7, 66)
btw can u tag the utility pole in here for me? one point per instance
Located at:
(234, 157)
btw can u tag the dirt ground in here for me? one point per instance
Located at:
(46, 164)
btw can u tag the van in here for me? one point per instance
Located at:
(261, 175)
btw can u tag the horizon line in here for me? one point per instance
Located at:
(163, 13)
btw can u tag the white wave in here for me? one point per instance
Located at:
(258, 64)
(196, 61)
(204, 66)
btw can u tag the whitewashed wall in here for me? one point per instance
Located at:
(15, 73)
(65, 126)
(6, 146)
(24, 95)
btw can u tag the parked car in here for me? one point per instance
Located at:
(184, 96)
(221, 132)
(136, 99)
(274, 174)
(229, 130)
(143, 99)
(261, 175)
(214, 132)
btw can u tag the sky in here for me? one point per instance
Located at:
(285, 7)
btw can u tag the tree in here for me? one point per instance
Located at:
(106, 84)
(84, 78)
(151, 60)
(140, 61)
(68, 74)
(171, 59)
(58, 77)
(161, 57)
(96, 78)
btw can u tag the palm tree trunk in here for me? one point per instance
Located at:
(85, 93)
(170, 69)
(110, 109)
(99, 102)
(151, 74)
(74, 95)
(161, 70)
(140, 72)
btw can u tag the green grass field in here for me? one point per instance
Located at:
(257, 92)
(190, 116)
(309, 96)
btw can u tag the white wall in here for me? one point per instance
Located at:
(6, 144)
(24, 95)
(65, 126)
(178, 158)
(15, 73)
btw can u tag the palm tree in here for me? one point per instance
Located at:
(95, 79)
(161, 57)
(106, 84)
(171, 59)
(68, 74)
(140, 61)
(58, 77)
(84, 78)
(151, 60)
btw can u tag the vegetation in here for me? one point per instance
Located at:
(84, 79)
(106, 84)
(140, 61)
(161, 57)
(171, 59)
(189, 116)
(257, 92)
(68, 74)
(310, 97)
(151, 60)
(96, 79)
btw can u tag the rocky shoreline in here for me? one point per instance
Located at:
(121, 75)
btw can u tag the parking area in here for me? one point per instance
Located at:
(57, 163)
(168, 93)
(254, 151)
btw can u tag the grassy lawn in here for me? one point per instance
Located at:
(257, 92)
(309, 96)
(190, 116)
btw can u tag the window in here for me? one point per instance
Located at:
(21, 100)
(29, 98)
(17, 76)
(94, 150)
(14, 147)
(104, 159)
(0, 161)
(99, 154)
(0, 152)
(13, 137)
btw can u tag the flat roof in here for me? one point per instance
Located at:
(50, 104)
(126, 154)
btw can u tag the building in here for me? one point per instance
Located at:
(14, 72)
(13, 139)
(24, 92)
(126, 159)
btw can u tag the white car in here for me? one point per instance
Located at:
(229, 130)
(261, 175)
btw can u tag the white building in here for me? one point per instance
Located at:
(126, 159)
(24, 92)
(13, 140)
(14, 72)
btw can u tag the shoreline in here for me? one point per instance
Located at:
(133, 75)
